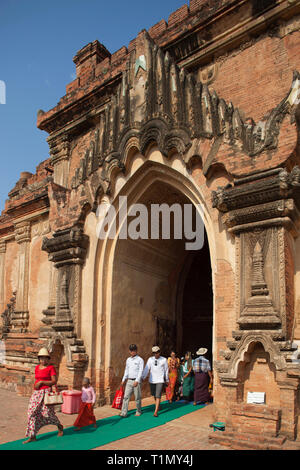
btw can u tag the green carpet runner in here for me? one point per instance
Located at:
(108, 429)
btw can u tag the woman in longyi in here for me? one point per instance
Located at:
(173, 364)
(86, 413)
(39, 414)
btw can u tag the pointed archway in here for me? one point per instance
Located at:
(141, 278)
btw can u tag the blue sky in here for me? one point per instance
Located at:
(38, 41)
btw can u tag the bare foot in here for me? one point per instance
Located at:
(61, 431)
(31, 439)
(195, 403)
(156, 415)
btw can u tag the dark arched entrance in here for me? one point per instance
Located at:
(161, 288)
(195, 302)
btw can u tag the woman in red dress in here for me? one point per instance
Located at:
(86, 414)
(174, 364)
(39, 414)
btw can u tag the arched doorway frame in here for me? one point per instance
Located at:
(179, 299)
(142, 172)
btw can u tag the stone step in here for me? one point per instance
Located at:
(78, 349)
(291, 445)
(240, 441)
(77, 342)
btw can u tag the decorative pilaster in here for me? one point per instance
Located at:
(20, 317)
(262, 211)
(49, 313)
(67, 250)
(60, 153)
(289, 389)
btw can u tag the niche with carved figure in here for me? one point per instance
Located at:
(257, 374)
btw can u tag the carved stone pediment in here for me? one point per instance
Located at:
(261, 188)
(280, 352)
(67, 246)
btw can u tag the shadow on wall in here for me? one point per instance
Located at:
(258, 6)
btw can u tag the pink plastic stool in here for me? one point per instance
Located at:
(72, 401)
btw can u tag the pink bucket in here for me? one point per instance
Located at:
(72, 401)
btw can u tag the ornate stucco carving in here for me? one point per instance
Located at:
(166, 105)
(23, 232)
(262, 211)
(7, 316)
(258, 307)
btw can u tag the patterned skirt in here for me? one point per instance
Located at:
(170, 390)
(39, 414)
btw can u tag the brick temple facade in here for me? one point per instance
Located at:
(203, 110)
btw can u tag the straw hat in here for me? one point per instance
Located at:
(201, 351)
(43, 352)
(155, 349)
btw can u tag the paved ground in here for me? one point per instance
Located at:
(189, 432)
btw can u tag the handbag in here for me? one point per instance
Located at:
(53, 397)
(118, 400)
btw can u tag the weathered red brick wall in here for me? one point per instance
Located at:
(257, 78)
(259, 375)
(256, 419)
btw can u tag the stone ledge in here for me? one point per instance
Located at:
(257, 411)
(22, 336)
(241, 441)
(17, 368)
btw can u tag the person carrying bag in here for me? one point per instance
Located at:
(39, 413)
(118, 399)
(53, 397)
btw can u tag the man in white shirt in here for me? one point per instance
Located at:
(133, 375)
(159, 375)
